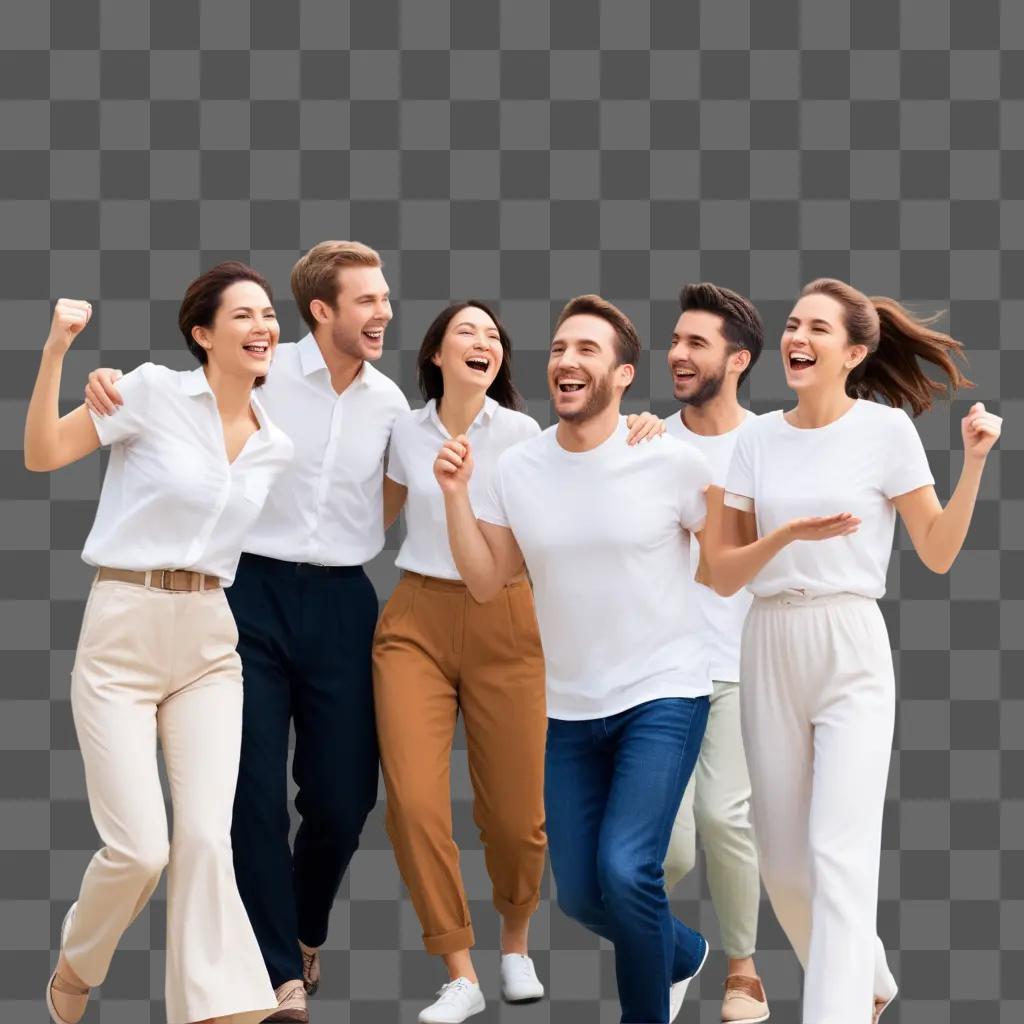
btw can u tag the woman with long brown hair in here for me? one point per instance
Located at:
(807, 522)
(192, 455)
(438, 653)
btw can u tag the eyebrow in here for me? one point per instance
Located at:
(469, 323)
(373, 295)
(676, 336)
(814, 320)
(249, 309)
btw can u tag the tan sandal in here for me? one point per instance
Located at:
(62, 985)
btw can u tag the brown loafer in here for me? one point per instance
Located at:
(291, 1004)
(310, 968)
(744, 1001)
(62, 985)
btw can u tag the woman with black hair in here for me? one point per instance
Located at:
(438, 652)
(192, 455)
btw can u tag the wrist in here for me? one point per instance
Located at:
(54, 349)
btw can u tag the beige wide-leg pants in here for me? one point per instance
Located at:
(818, 705)
(153, 662)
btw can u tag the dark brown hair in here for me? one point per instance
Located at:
(315, 275)
(202, 300)
(741, 323)
(431, 381)
(627, 341)
(896, 341)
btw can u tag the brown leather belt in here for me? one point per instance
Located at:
(181, 580)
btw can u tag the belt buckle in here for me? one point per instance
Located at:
(165, 585)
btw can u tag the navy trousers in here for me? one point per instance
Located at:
(305, 638)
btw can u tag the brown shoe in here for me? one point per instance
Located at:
(744, 1001)
(291, 1003)
(310, 968)
(879, 1007)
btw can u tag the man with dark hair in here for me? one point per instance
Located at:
(607, 546)
(716, 341)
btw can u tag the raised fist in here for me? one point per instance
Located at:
(69, 317)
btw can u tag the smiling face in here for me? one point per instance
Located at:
(700, 358)
(244, 333)
(362, 310)
(470, 353)
(816, 353)
(583, 368)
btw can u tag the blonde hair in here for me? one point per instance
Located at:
(315, 275)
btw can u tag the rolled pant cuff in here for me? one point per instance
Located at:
(739, 956)
(449, 942)
(517, 913)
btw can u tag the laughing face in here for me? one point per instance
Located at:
(361, 312)
(698, 357)
(242, 338)
(583, 368)
(470, 353)
(815, 347)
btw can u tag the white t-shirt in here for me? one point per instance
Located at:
(858, 463)
(720, 619)
(415, 440)
(170, 499)
(604, 534)
(328, 505)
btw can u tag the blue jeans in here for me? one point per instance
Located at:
(612, 790)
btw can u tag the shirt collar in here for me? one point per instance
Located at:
(429, 412)
(312, 361)
(194, 382)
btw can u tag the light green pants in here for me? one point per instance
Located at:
(717, 805)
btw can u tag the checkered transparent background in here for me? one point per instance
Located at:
(524, 152)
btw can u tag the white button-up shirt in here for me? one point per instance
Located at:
(415, 441)
(170, 498)
(327, 507)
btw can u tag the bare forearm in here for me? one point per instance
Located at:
(948, 530)
(733, 567)
(42, 424)
(472, 554)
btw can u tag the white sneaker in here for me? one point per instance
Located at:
(678, 991)
(460, 999)
(519, 981)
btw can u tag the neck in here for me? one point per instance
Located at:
(233, 393)
(581, 437)
(719, 415)
(819, 409)
(342, 366)
(457, 408)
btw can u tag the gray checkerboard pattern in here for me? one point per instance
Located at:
(525, 152)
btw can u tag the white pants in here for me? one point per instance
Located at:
(717, 805)
(154, 662)
(818, 704)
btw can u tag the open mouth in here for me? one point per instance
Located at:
(479, 363)
(800, 361)
(681, 375)
(257, 348)
(568, 385)
(375, 336)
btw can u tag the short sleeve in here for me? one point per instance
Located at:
(395, 467)
(905, 460)
(529, 428)
(130, 419)
(492, 508)
(695, 478)
(739, 479)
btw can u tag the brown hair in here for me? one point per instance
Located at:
(431, 381)
(627, 341)
(315, 275)
(896, 340)
(741, 323)
(202, 300)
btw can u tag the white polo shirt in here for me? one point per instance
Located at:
(415, 441)
(857, 463)
(170, 498)
(327, 506)
(606, 537)
(720, 619)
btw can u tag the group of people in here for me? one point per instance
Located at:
(588, 597)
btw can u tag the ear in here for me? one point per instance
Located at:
(624, 375)
(320, 310)
(740, 360)
(855, 356)
(436, 357)
(201, 338)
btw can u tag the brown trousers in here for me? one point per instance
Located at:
(438, 651)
